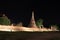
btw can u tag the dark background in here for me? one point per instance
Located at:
(20, 11)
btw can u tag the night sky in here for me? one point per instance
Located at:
(20, 11)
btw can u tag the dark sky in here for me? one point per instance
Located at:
(20, 11)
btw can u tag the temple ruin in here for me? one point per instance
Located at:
(32, 27)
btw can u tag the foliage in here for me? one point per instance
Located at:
(58, 27)
(39, 22)
(4, 21)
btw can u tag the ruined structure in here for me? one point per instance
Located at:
(32, 22)
(33, 27)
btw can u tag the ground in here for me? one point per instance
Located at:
(29, 35)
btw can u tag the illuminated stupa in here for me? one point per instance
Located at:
(32, 22)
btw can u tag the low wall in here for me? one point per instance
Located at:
(29, 35)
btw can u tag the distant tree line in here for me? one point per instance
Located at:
(39, 23)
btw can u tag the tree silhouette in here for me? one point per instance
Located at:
(39, 22)
(4, 20)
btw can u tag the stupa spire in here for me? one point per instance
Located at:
(32, 22)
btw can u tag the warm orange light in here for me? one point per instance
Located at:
(15, 28)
